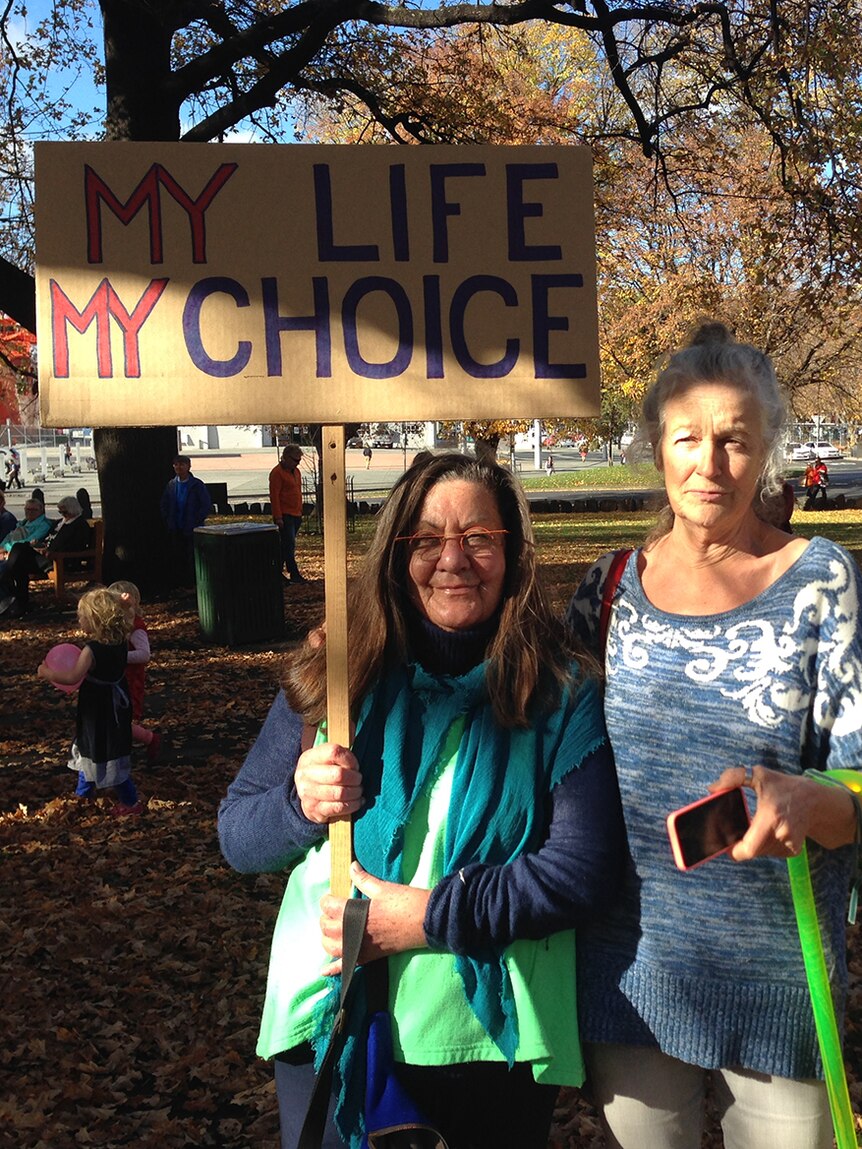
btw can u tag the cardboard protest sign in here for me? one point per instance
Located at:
(266, 283)
(219, 284)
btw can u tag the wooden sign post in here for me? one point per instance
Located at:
(249, 283)
(337, 697)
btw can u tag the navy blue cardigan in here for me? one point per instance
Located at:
(568, 880)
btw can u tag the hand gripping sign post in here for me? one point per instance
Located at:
(267, 284)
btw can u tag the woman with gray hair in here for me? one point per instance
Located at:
(733, 657)
(72, 532)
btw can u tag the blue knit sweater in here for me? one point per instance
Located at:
(707, 964)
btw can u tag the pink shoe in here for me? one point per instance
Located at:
(121, 810)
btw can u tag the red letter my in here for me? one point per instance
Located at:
(97, 191)
(103, 304)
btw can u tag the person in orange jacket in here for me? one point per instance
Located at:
(285, 495)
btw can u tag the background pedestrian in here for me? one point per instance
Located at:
(285, 495)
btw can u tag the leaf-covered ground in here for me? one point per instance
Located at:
(133, 959)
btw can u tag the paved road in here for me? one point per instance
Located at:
(246, 475)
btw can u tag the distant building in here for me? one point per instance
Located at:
(209, 438)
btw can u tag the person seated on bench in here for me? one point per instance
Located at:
(83, 497)
(8, 522)
(71, 533)
(34, 527)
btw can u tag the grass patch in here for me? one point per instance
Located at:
(590, 535)
(586, 536)
(842, 527)
(637, 476)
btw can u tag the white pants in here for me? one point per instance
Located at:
(648, 1100)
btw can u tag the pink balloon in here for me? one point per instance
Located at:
(64, 656)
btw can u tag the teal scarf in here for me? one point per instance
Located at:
(497, 810)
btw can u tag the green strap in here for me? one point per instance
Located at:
(818, 978)
(851, 782)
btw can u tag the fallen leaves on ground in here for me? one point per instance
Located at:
(134, 959)
(138, 958)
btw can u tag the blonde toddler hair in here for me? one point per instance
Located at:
(103, 615)
(128, 593)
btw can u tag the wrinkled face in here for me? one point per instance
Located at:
(712, 454)
(32, 511)
(457, 589)
(181, 470)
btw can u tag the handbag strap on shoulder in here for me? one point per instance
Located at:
(612, 581)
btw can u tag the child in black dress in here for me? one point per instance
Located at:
(136, 667)
(101, 752)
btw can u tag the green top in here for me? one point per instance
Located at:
(433, 1023)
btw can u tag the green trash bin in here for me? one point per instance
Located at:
(239, 586)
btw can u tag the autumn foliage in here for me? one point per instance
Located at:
(16, 346)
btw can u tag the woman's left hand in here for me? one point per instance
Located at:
(395, 919)
(790, 808)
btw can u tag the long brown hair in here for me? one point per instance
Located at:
(528, 659)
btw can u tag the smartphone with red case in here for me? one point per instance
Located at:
(708, 827)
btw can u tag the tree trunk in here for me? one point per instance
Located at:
(134, 463)
(140, 103)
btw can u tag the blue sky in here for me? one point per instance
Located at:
(75, 85)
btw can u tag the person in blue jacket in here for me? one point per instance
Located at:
(185, 504)
(35, 527)
(487, 826)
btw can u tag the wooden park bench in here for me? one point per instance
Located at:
(91, 562)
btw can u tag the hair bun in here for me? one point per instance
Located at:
(710, 331)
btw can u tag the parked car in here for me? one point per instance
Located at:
(384, 439)
(824, 449)
(356, 441)
(798, 452)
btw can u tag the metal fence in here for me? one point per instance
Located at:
(45, 452)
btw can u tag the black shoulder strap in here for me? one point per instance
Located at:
(355, 917)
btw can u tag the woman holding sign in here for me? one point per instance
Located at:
(487, 821)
